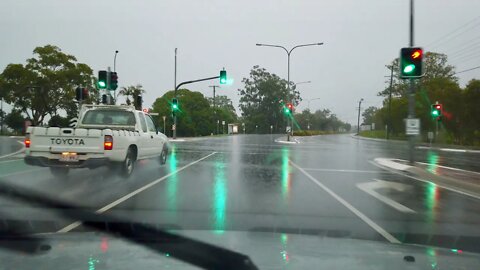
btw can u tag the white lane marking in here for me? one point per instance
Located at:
(130, 195)
(453, 150)
(392, 164)
(14, 153)
(425, 181)
(370, 187)
(340, 170)
(350, 207)
(450, 168)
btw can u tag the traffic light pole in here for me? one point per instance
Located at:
(411, 97)
(175, 93)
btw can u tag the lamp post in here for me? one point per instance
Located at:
(289, 52)
(358, 121)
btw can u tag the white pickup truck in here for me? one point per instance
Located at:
(105, 135)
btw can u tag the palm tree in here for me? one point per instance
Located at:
(132, 91)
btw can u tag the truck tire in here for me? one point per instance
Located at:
(59, 172)
(163, 155)
(127, 166)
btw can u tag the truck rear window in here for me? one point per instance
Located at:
(109, 117)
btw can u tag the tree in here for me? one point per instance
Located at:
(263, 98)
(133, 92)
(195, 117)
(223, 102)
(15, 120)
(369, 115)
(58, 121)
(471, 113)
(46, 83)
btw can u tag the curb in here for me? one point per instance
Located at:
(420, 174)
(281, 140)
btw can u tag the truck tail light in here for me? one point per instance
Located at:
(27, 141)
(108, 142)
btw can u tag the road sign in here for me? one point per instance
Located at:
(430, 135)
(289, 129)
(174, 127)
(223, 123)
(412, 126)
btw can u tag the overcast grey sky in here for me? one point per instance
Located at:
(361, 37)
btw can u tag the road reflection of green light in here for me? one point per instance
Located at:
(172, 185)
(284, 239)
(220, 197)
(432, 158)
(285, 173)
(91, 263)
(431, 199)
(432, 257)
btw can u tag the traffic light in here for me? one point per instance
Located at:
(113, 81)
(174, 104)
(102, 79)
(223, 76)
(81, 93)
(104, 99)
(436, 110)
(289, 108)
(411, 62)
(138, 102)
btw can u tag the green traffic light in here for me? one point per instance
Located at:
(223, 77)
(102, 84)
(409, 68)
(175, 106)
(435, 113)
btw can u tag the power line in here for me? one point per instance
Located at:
(467, 70)
(466, 44)
(468, 48)
(468, 57)
(452, 32)
(464, 53)
(447, 40)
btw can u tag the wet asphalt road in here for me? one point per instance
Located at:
(9, 145)
(251, 183)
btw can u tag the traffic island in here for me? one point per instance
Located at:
(285, 141)
(454, 179)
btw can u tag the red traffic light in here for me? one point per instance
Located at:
(417, 53)
(438, 107)
(290, 106)
(145, 110)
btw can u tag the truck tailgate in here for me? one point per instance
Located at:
(54, 139)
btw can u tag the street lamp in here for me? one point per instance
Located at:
(358, 121)
(288, 66)
(114, 70)
(115, 61)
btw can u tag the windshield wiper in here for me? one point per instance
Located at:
(195, 252)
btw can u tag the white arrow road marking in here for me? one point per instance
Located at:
(370, 188)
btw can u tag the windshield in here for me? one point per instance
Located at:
(275, 129)
(109, 117)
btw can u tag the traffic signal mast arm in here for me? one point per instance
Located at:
(194, 81)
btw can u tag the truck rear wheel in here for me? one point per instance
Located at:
(163, 155)
(128, 164)
(59, 172)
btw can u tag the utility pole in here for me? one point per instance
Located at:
(174, 135)
(114, 70)
(358, 121)
(389, 126)
(411, 95)
(1, 112)
(214, 107)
